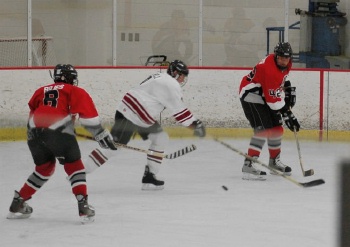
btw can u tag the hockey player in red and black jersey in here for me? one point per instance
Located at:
(267, 98)
(50, 136)
(137, 113)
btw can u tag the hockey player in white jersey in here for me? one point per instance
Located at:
(137, 113)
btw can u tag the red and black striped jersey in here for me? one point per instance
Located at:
(266, 80)
(54, 105)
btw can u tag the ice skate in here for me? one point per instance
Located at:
(86, 211)
(19, 209)
(150, 182)
(250, 172)
(277, 164)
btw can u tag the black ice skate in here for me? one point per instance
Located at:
(277, 164)
(150, 182)
(86, 211)
(19, 209)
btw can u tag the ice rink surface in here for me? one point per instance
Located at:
(192, 211)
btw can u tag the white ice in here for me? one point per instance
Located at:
(192, 211)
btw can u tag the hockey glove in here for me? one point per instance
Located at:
(199, 129)
(105, 140)
(290, 120)
(291, 95)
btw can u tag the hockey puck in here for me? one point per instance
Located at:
(224, 187)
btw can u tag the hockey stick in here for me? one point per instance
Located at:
(172, 155)
(307, 172)
(290, 179)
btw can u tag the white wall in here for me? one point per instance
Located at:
(211, 94)
(234, 31)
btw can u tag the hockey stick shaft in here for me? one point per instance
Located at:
(172, 155)
(299, 153)
(308, 172)
(290, 179)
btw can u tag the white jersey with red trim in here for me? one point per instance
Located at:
(143, 104)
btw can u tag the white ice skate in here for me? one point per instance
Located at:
(250, 172)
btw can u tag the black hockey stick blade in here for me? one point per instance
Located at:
(181, 152)
(313, 183)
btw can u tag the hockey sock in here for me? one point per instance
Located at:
(158, 141)
(274, 141)
(37, 179)
(256, 143)
(96, 159)
(154, 162)
(77, 177)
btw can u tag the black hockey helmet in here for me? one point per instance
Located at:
(283, 49)
(65, 73)
(179, 66)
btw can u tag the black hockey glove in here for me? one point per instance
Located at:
(290, 95)
(290, 120)
(199, 129)
(105, 139)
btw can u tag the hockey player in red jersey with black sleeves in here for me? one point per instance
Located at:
(53, 109)
(267, 98)
(137, 113)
